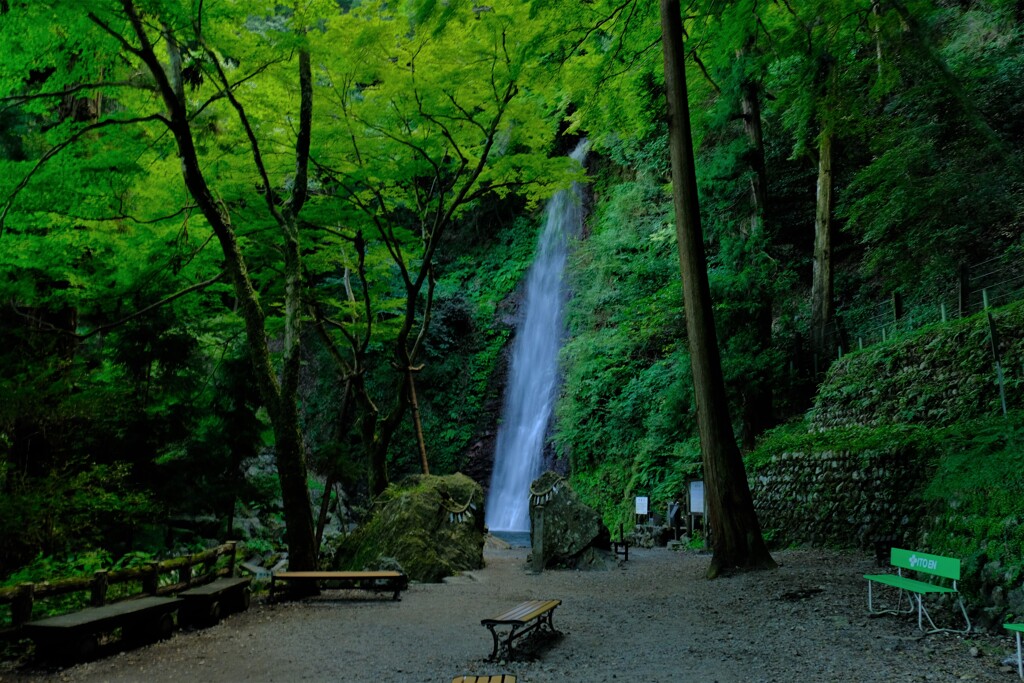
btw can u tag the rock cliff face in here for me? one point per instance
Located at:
(432, 526)
(572, 535)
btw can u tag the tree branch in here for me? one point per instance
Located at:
(54, 151)
(137, 314)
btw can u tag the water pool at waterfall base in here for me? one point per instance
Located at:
(515, 539)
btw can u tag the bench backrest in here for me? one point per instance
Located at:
(936, 565)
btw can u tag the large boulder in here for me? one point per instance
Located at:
(572, 534)
(432, 526)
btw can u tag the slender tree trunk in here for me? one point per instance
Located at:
(415, 405)
(758, 399)
(750, 105)
(736, 538)
(876, 18)
(822, 296)
(325, 508)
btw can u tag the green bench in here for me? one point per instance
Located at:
(1018, 629)
(923, 564)
(523, 618)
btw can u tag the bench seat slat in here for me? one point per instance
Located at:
(908, 584)
(107, 614)
(378, 581)
(327, 576)
(523, 613)
(215, 587)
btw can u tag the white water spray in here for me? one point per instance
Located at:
(533, 375)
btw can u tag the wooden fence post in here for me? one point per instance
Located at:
(993, 338)
(151, 579)
(232, 546)
(21, 607)
(965, 290)
(100, 582)
(537, 564)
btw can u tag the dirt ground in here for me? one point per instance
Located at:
(653, 618)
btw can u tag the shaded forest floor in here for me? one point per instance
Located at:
(654, 618)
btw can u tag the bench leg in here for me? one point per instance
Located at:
(494, 635)
(895, 610)
(546, 620)
(922, 610)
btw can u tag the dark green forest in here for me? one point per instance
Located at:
(256, 254)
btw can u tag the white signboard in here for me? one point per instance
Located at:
(696, 497)
(641, 505)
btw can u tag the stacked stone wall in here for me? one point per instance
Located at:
(839, 497)
(938, 376)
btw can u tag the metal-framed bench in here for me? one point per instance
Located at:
(921, 563)
(378, 582)
(524, 618)
(206, 604)
(1017, 629)
(72, 637)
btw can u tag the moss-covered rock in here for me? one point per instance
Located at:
(433, 526)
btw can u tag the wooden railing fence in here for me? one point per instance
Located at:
(22, 597)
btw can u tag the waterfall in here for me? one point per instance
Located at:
(533, 375)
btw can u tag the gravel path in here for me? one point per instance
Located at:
(654, 618)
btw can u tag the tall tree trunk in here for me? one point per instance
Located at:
(758, 399)
(736, 538)
(279, 397)
(822, 296)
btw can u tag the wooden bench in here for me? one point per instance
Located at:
(378, 582)
(921, 563)
(72, 637)
(523, 618)
(1018, 629)
(498, 678)
(208, 603)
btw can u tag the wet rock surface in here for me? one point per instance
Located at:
(654, 618)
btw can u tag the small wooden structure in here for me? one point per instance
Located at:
(523, 618)
(378, 582)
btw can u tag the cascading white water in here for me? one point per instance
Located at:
(533, 375)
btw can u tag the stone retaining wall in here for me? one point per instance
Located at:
(942, 374)
(839, 497)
